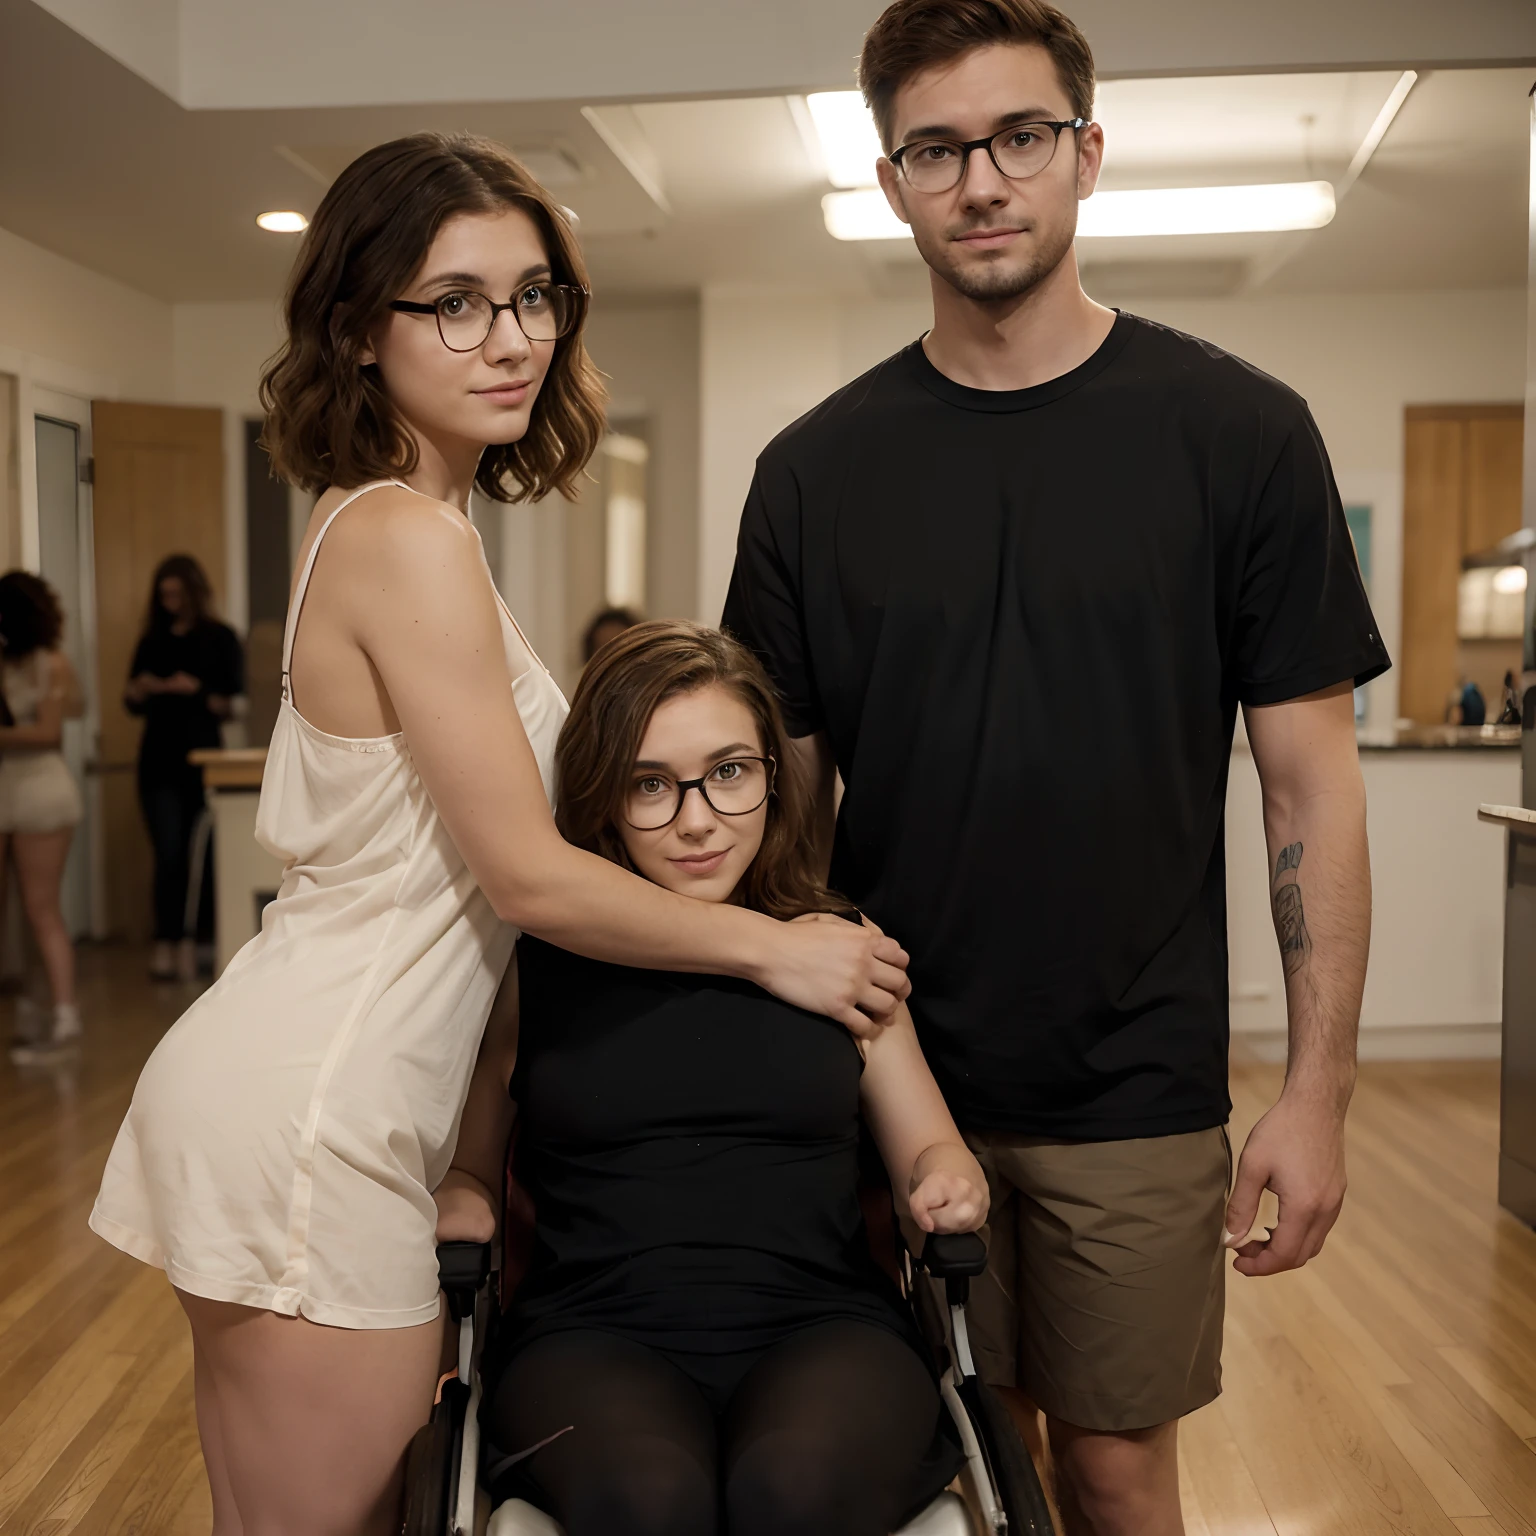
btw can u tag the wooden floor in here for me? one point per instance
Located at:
(1388, 1388)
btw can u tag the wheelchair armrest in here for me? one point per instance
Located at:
(953, 1255)
(462, 1270)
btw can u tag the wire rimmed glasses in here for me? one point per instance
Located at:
(1018, 152)
(465, 319)
(736, 787)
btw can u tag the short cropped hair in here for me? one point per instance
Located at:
(329, 420)
(914, 35)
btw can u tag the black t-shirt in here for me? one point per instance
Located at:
(178, 723)
(691, 1148)
(1025, 620)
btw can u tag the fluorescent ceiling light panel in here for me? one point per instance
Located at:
(862, 214)
(1259, 209)
(849, 143)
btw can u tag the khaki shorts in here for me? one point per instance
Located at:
(1104, 1290)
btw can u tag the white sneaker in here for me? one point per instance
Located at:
(61, 1040)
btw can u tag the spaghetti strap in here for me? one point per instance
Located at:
(291, 629)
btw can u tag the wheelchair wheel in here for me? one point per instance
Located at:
(430, 1463)
(1013, 1469)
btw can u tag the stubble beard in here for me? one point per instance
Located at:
(998, 283)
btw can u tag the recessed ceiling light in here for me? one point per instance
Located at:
(283, 222)
(864, 214)
(850, 144)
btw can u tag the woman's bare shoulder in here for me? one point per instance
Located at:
(397, 531)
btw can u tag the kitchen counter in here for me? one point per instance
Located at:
(1435, 983)
(1443, 738)
(246, 876)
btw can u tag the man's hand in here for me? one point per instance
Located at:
(1297, 1150)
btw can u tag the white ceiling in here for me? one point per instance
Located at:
(102, 166)
(224, 54)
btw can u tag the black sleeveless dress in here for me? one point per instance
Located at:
(691, 1146)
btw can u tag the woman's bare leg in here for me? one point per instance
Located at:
(226, 1516)
(314, 1422)
(40, 860)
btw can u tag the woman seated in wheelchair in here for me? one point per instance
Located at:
(702, 1341)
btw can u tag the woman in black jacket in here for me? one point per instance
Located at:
(187, 669)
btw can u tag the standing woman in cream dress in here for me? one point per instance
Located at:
(285, 1138)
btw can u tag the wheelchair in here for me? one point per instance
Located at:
(1000, 1493)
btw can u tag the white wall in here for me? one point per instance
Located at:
(69, 328)
(650, 353)
(65, 328)
(1434, 987)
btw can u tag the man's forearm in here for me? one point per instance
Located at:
(1320, 897)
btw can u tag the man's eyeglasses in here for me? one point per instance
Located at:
(544, 311)
(736, 787)
(1019, 152)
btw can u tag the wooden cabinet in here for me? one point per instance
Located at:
(1461, 494)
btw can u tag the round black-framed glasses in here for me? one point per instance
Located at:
(465, 319)
(735, 787)
(1019, 152)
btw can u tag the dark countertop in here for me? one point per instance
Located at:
(1445, 738)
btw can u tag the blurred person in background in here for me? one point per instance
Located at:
(605, 625)
(187, 670)
(40, 804)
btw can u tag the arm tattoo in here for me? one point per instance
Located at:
(1290, 919)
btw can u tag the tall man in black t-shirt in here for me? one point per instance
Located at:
(1015, 583)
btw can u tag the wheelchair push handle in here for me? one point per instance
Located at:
(462, 1269)
(956, 1258)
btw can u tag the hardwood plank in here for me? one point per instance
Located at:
(1502, 1395)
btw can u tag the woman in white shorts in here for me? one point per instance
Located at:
(40, 803)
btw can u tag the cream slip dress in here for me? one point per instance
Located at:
(287, 1133)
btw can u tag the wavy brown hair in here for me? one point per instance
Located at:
(329, 420)
(615, 699)
(30, 616)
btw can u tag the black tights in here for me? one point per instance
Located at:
(824, 1435)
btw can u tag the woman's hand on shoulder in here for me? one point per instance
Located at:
(950, 1197)
(465, 1211)
(829, 965)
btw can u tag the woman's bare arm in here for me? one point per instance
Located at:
(928, 1162)
(412, 590)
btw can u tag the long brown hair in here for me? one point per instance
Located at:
(614, 702)
(329, 420)
(194, 582)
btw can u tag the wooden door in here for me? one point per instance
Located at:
(159, 490)
(1461, 495)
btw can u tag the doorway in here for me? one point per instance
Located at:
(62, 435)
